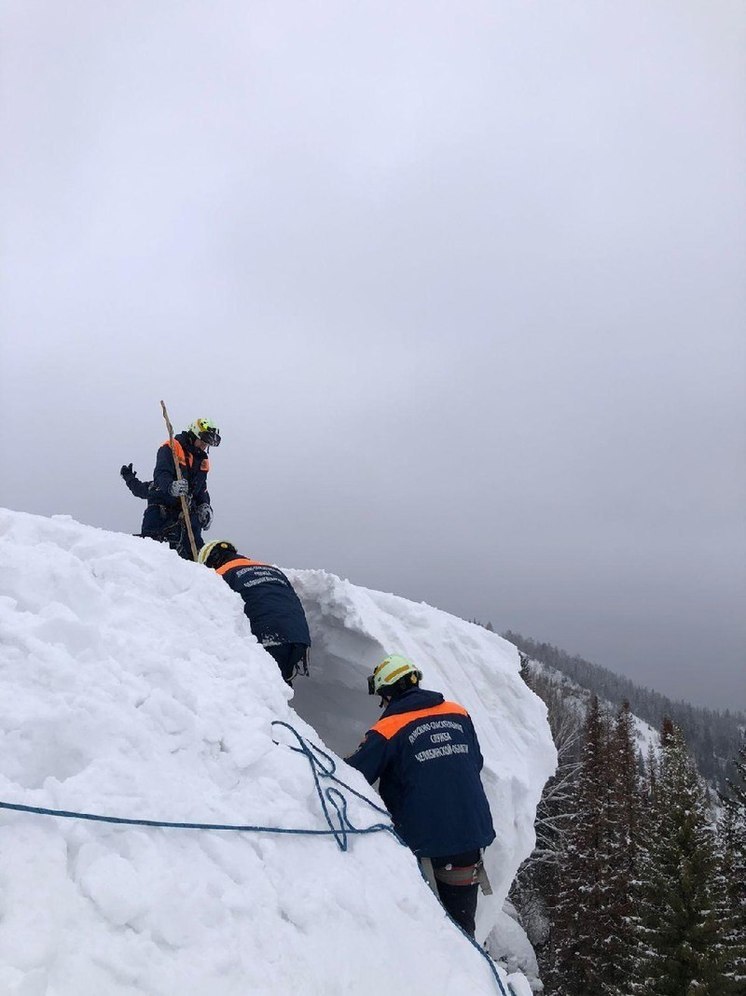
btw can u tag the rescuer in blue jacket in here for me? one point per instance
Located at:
(426, 754)
(271, 605)
(162, 518)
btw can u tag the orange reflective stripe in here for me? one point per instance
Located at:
(181, 456)
(389, 726)
(239, 562)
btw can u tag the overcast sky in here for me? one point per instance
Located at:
(462, 283)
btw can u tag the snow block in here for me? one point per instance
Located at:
(131, 686)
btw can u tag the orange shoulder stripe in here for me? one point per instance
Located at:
(178, 449)
(389, 726)
(239, 562)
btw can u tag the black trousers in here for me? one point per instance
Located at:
(460, 901)
(167, 526)
(287, 656)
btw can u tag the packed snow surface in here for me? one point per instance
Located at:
(131, 686)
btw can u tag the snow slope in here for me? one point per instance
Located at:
(579, 697)
(131, 686)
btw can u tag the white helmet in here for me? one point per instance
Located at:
(391, 670)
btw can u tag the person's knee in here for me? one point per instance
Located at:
(280, 653)
(460, 902)
(287, 670)
(151, 523)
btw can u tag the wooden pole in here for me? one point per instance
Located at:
(184, 506)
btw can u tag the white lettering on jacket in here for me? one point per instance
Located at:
(435, 724)
(432, 752)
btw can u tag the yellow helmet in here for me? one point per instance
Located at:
(217, 545)
(206, 430)
(391, 670)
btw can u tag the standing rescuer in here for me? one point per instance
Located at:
(162, 517)
(426, 754)
(270, 603)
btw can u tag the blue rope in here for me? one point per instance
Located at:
(483, 953)
(322, 765)
(248, 828)
(328, 770)
(472, 941)
(331, 797)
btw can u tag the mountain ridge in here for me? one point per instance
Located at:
(713, 736)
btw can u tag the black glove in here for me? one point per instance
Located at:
(204, 514)
(127, 472)
(179, 488)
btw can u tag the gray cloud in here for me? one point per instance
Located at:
(463, 288)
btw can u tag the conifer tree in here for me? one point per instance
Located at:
(535, 889)
(737, 786)
(649, 795)
(732, 838)
(624, 827)
(581, 917)
(681, 944)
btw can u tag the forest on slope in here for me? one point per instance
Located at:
(713, 737)
(637, 883)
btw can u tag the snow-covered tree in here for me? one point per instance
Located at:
(592, 937)
(624, 828)
(535, 888)
(681, 950)
(732, 839)
(582, 912)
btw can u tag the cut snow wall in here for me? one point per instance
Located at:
(353, 628)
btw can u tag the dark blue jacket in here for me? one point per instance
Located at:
(426, 754)
(270, 603)
(194, 465)
(140, 489)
